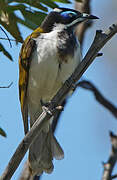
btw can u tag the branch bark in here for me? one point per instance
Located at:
(108, 167)
(83, 6)
(7, 86)
(98, 96)
(100, 40)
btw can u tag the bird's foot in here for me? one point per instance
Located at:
(46, 107)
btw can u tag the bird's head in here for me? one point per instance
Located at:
(69, 18)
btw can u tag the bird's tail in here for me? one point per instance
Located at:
(42, 151)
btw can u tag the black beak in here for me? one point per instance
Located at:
(88, 16)
(80, 18)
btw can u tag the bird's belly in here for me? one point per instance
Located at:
(46, 75)
(43, 82)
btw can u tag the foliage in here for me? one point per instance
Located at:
(2, 132)
(78, 0)
(29, 13)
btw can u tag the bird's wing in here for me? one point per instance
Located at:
(24, 66)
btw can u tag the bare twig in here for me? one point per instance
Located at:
(83, 6)
(99, 97)
(9, 39)
(6, 36)
(25, 174)
(24, 145)
(108, 167)
(114, 176)
(100, 40)
(81, 29)
(7, 86)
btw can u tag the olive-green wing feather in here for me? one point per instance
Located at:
(24, 66)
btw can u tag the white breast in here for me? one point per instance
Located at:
(45, 76)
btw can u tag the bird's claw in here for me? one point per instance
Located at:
(45, 106)
(46, 109)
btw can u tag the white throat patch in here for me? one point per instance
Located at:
(58, 27)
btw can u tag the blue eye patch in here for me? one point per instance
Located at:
(68, 14)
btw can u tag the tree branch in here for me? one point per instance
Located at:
(6, 36)
(7, 86)
(100, 40)
(108, 167)
(99, 97)
(83, 6)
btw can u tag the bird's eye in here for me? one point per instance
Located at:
(68, 14)
(71, 14)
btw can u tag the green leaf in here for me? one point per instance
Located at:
(78, 0)
(2, 132)
(31, 3)
(62, 1)
(35, 18)
(5, 52)
(49, 3)
(33, 12)
(12, 8)
(27, 23)
(12, 27)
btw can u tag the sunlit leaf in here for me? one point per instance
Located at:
(12, 27)
(5, 52)
(2, 132)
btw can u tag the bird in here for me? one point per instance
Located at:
(48, 57)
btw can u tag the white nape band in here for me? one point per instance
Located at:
(57, 10)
